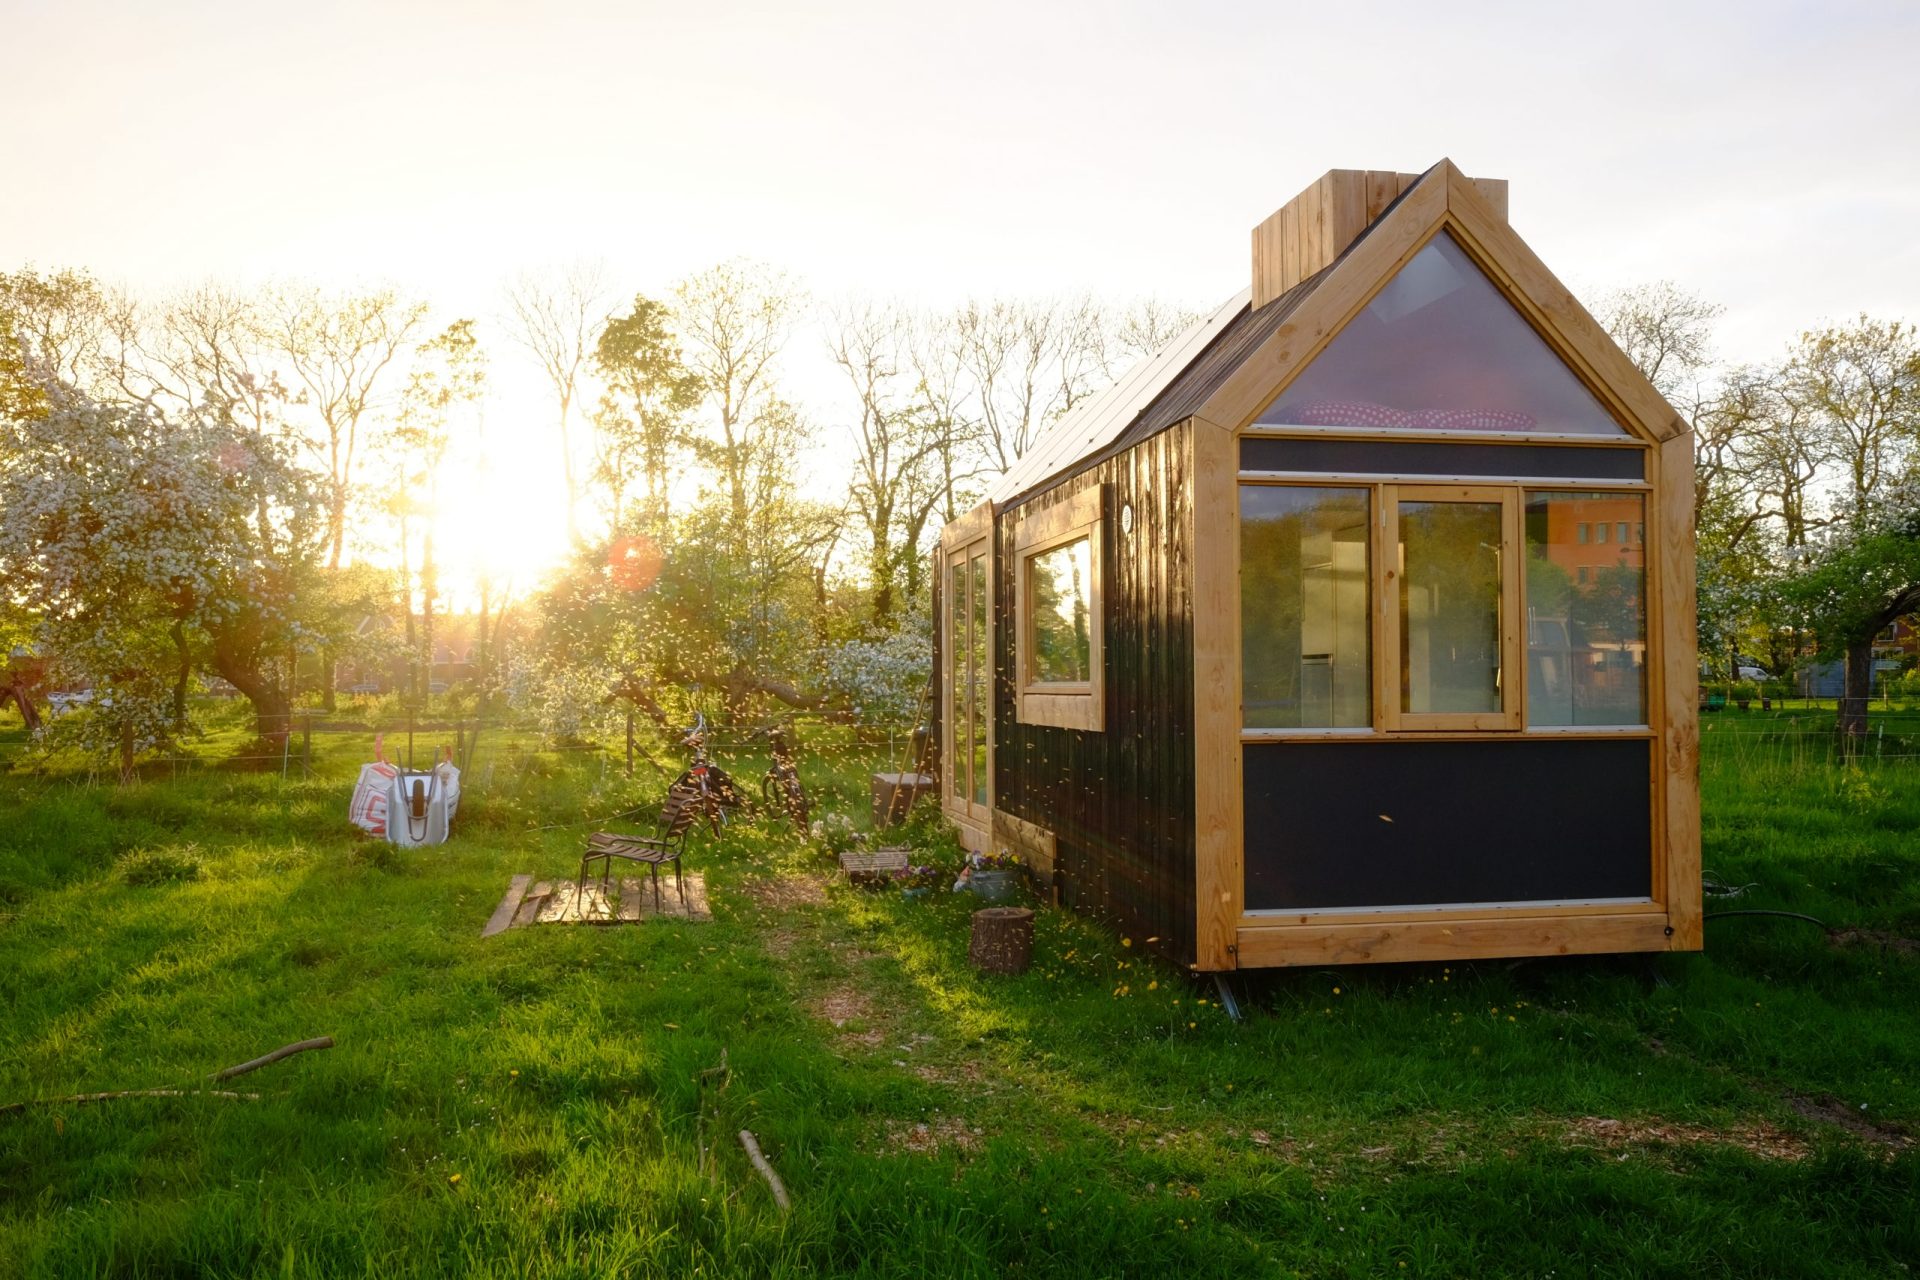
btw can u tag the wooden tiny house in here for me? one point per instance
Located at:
(1356, 625)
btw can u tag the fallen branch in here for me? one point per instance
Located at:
(285, 1051)
(766, 1170)
(268, 1059)
(131, 1093)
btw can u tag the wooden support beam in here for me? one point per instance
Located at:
(1218, 817)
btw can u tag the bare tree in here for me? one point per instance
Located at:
(557, 315)
(899, 444)
(337, 349)
(734, 319)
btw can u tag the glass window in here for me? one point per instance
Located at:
(1450, 607)
(1623, 531)
(1058, 582)
(1586, 613)
(1440, 349)
(1304, 618)
(1600, 532)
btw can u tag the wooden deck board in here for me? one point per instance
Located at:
(564, 903)
(502, 918)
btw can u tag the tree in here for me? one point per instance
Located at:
(557, 317)
(1859, 578)
(900, 444)
(139, 539)
(734, 319)
(1862, 383)
(641, 420)
(338, 349)
(443, 394)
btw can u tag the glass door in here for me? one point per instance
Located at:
(967, 735)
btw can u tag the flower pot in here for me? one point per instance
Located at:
(992, 883)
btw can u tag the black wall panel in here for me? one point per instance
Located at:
(1411, 823)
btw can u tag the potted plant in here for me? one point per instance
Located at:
(990, 875)
(917, 881)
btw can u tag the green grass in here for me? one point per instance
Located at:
(1099, 1116)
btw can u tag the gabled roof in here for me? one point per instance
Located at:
(1241, 350)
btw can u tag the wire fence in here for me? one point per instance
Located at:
(480, 746)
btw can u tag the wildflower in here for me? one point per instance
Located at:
(453, 1179)
(1336, 991)
(1126, 942)
(1192, 1025)
(1154, 985)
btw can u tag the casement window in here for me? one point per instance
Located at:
(1059, 659)
(1410, 608)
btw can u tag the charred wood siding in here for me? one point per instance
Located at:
(1120, 801)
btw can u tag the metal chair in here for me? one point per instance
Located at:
(676, 820)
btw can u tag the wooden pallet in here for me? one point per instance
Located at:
(563, 902)
(868, 867)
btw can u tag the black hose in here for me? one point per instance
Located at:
(1755, 911)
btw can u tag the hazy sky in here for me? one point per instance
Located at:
(1765, 155)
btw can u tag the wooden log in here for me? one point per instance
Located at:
(1002, 940)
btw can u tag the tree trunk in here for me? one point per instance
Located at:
(1850, 725)
(29, 713)
(178, 632)
(272, 709)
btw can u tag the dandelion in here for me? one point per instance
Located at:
(1154, 985)
(1336, 991)
(453, 1179)
(1192, 1025)
(1126, 942)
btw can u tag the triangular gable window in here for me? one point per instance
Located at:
(1439, 349)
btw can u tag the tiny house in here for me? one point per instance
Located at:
(1356, 625)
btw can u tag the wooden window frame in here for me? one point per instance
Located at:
(1386, 719)
(1082, 704)
(966, 539)
(1512, 715)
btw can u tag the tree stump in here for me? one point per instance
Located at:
(1002, 940)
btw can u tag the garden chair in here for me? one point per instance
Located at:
(676, 820)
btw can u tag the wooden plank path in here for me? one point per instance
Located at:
(565, 903)
(502, 918)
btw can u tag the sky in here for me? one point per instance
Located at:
(1764, 155)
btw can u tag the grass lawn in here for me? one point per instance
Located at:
(531, 1104)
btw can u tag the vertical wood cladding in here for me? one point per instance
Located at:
(1119, 801)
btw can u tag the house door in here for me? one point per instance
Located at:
(966, 785)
